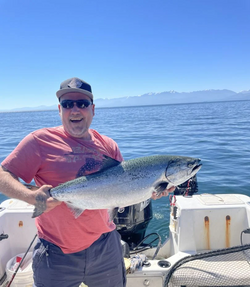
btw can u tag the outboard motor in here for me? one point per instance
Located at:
(132, 222)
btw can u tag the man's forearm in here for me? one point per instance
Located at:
(11, 187)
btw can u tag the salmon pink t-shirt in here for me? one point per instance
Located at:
(51, 156)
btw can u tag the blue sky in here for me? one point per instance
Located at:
(122, 48)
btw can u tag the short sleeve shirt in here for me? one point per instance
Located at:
(50, 156)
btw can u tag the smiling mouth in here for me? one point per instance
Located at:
(76, 121)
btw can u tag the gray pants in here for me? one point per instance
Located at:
(100, 265)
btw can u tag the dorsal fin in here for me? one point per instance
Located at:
(107, 163)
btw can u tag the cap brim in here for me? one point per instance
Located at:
(72, 90)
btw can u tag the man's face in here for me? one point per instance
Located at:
(76, 121)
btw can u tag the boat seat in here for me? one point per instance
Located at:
(224, 267)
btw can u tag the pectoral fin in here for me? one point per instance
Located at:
(112, 213)
(161, 187)
(76, 211)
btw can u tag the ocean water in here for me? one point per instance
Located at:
(217, 133)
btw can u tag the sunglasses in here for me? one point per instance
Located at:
(69, 104)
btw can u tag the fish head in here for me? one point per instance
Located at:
(181, 169)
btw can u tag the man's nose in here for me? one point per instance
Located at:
(75, 108)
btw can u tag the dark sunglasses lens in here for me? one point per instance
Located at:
(67, 104)
(81, 104)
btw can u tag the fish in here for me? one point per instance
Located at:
(120, 184)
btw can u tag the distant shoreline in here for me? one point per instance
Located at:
(115, 107)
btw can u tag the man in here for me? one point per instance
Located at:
(69, 251)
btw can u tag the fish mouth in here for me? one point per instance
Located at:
(196, 168)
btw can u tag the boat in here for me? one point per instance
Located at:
(208, 242)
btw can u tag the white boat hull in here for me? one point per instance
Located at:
(198, 224)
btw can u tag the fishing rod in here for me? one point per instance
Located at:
(19, 265)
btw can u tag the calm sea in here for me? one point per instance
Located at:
(217, 133)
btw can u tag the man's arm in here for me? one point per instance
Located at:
(13, 188)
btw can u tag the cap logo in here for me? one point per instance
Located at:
(75, 83)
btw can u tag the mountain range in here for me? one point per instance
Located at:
(163, 98)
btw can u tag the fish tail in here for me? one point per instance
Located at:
(38, 210)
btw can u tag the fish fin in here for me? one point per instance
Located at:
(112, 213)
(40, 206)
(37, 211)
(108, 162)
(76, 211)
(170, 185)
(161, 187)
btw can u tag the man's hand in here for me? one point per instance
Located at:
(43, 200)
(164, 193)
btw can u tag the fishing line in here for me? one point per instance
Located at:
(14, 275)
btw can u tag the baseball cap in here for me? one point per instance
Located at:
(75, 85)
